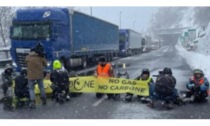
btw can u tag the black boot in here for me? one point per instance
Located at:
(19, 104)
(168, 105)
(117, 97)
(44, 101)
(110, 96)
(151, 104)
(128, 97)
(99, 95)
(32, 104)
(139, 98)
(53, 96)
(8, 103)
(5, 88)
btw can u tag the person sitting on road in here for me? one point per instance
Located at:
(145, 76)
(60, 82)
(198, 86)
(21, 88)
(21, 85)
(104, 69)
(164, 89)
(7, 77)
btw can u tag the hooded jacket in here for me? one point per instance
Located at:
(35, 66)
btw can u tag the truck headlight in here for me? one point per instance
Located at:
(14, 64)
(48, 63)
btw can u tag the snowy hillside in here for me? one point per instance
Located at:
(187, 19)
(200, 58)
(203, 46)
(203, 43)
(195, 60)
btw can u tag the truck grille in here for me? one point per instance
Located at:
(21, 56)
(21, 59)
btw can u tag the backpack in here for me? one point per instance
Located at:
(165, 84)
(63, 78)
(21, 87)
(60, 79)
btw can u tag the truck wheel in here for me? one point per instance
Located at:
(108, 57)
(84, 63)
(111, 57)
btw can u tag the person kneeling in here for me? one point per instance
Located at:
(60, 82)
(21, 89)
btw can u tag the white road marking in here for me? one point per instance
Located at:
(99, 101)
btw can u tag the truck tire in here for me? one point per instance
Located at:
(108, 57)
(111, 57)
(84, 63)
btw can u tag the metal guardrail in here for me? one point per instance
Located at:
(5, 52)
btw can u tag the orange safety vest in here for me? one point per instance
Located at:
(198, 82)
(103, 71)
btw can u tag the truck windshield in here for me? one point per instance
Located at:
(31, 31)
(122, 38)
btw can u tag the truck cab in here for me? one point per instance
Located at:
(129, 42)
(47, 26)
(123, 42)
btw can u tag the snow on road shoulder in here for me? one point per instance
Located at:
(1, 71)
(195, 60)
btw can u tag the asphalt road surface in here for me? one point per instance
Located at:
(87, 106)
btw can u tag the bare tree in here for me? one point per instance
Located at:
(166, 17)
(202, 16)
(6, 14)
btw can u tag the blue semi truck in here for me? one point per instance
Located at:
(129, 42)
(75, 38)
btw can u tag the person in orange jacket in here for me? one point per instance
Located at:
(198, 86)
(104, 69)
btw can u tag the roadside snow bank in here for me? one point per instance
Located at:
(203, 43)
(1, 71)
(196, 60)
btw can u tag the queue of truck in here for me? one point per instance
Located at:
(77, 39)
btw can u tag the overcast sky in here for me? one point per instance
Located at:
(136, 18)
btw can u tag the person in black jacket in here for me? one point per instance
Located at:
(7, 77)
(60, 82)
(21, 85)
(164, 89)
(21, 89)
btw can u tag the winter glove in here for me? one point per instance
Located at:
(192, 81)
(190, 86)
(203, 88)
